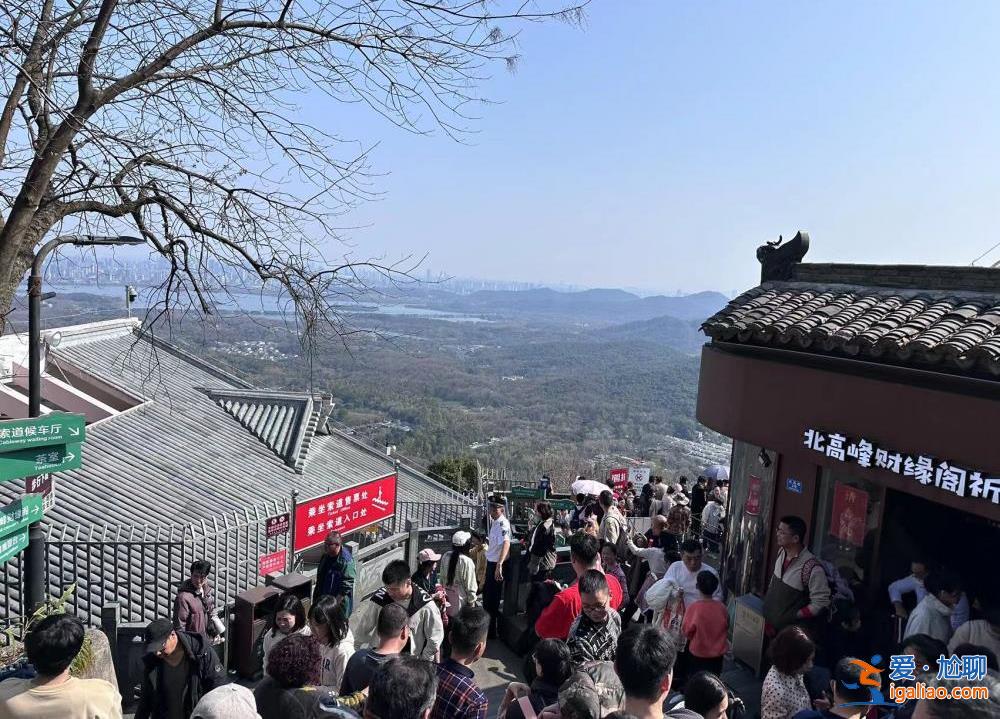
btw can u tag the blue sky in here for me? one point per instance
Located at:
(662, 143)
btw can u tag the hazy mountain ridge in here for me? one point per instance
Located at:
(608, 306)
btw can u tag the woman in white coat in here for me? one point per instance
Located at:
(458, 573)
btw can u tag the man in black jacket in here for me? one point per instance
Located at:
(180, 667)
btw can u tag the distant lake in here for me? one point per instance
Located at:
(258, 304)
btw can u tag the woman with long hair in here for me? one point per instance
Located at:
(328, 622)
(458, 573)
(288, 618)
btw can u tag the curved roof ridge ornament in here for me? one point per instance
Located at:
(778, 259)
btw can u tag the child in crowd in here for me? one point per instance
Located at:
(706, 626)
(328, 623)
(594, 634)
(289, 617)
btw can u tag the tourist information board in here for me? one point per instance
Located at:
(39, 460)
(20, 513)
(54, 428)
(345, 510)
(13, 544)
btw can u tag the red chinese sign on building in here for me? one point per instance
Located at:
(752, 506)
(345, 510)
(850, 510)
(273, 562)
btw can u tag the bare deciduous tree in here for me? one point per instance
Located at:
(179, 119)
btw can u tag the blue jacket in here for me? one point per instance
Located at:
(335, 577)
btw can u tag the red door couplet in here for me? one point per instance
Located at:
(345, 510)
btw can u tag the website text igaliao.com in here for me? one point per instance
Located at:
(903, 693)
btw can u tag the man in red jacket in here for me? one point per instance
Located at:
(555, 620)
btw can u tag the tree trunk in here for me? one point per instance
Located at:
(10, 282)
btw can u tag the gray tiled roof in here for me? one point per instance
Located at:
(284, 422)
(950, 329)
(201, 462)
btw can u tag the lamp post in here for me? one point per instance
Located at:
(34, 554)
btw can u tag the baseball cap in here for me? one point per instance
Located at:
(460, 538)
(428, 555)
(230, 701)
(156, 634)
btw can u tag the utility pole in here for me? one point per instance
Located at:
(34, 554)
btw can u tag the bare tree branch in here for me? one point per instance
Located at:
(181, 119)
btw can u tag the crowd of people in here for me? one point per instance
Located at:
(594, 649)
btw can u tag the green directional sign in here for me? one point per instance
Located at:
(53, 429)
(11, 546)
(526, 493)
(39, 460)
(17, 515)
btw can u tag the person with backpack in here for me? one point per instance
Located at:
(613, 529)
(426, 626)
(179, 667)
(799, 592)
(458, 572)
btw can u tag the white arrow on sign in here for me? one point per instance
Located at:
(69, 457)
(74, 431)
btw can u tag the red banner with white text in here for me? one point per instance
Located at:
(345, 510)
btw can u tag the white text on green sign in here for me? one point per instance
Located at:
(40, 460)
(11, 546)
(53, 428)
(25, 511)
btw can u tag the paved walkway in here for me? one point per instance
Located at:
(499, 667)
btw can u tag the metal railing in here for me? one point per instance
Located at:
(140, 567)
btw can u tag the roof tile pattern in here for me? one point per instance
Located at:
(953, 330)
(280, 420)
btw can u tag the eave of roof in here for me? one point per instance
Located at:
(939, 318)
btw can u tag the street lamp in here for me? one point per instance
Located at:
(34, 554)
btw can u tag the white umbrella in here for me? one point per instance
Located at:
(588, 487)
(716, 472)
